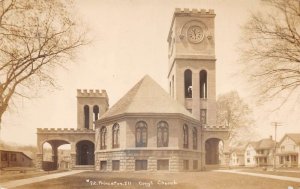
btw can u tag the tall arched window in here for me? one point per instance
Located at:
(195, 138)
(185, 136)
(141, 134)
(86, 110)
(188, 89)
(203, 84)
(103, 132)
(96, 112)
(162, 134)
(116, 135)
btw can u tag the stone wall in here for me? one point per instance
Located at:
(128, 157)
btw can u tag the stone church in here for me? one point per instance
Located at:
(149, 128)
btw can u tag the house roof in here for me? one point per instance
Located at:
(146, 96)
(13, 151)
(238, 151)
(266, 143)
(294, 136)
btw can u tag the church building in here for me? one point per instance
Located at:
(149, 128)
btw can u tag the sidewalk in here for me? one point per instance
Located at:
(15, 183)
(285, 178)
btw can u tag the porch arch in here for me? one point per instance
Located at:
(85, 152)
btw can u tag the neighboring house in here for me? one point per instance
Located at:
(14, 159)
(237, 157)
(287, 151)
(260, 153)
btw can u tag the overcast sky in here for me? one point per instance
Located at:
(130, 40)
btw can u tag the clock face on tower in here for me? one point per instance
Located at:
(195, 34)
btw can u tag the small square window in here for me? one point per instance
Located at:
(185, 164)
(141, 165)
(116, 165)
(162, 164)
(103, 165)
(195, 164)
(4, 156)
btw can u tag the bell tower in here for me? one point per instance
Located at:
(90, 106)
(192, 62)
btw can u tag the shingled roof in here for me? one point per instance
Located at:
(146, 96)
(294, 136)
(266, 143)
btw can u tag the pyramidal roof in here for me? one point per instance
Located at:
(146, 96)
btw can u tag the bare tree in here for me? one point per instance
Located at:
(35, 38)
(271, 49)
(233, 112)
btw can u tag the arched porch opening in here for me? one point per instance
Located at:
(213, 151)
(64, 157)
(51, 154)
(85, 153)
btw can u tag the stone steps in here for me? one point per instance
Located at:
(84, 167)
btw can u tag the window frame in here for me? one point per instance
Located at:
(116, 136)
(141, 131)
(162, 132)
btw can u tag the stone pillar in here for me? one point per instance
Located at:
(91, 124)
(39, 161)
(55, 155)
(73, 159)
(196, 95)
(130, 163)
(175, 164)
(152, 164)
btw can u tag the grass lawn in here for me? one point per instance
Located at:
(10, 176)
(144, 180)
(277, 172)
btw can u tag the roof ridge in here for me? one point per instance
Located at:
(124, 99)
(135, 90)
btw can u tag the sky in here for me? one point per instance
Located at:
(130, 41)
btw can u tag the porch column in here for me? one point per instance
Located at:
(55, 155)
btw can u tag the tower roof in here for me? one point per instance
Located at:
(146, 96)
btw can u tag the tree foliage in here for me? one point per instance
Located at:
(35, 38)
(234, 113)
(271, 49)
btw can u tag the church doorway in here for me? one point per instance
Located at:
(213, 151)
(85, 153)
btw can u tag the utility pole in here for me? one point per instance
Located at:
(275, 124)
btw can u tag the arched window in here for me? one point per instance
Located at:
(141, 134)
(188, 89)
(185, 136)
(103, 132)
(162, 134)
(203, 84)
(195, 139)
(96, 112)
(116, 135)
(86, 110)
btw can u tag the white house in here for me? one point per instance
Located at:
(237, 157)
(287, 152)
(260, 153)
